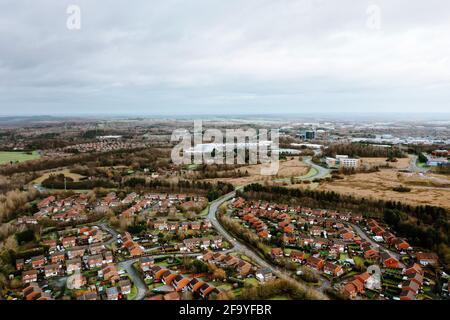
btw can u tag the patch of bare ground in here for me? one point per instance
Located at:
(379, 185)
(292, 167)
(401, 163)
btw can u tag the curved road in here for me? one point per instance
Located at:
(321, 171)
(244, 249)
(413, 165)
(135, 276)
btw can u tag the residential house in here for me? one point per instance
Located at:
(50, 243)
(57, 257)
(73, 265)
(68, 242)
(426, 258)
(297, 256)
(37, 262)
(51, 270)
(372, 254)
(315, 263)
(19, 264)
(146, 263)
(244, 268)
(389, 260)
(401, 244)
(29, 276)
(75, 252)
(413, 269)
(110, 273)
(332, 269)
(95, 261)
(407, 295)
(264, 275)
(112, 293)
(412, 286)
(180, 283)
(125, 286)
(277, 252)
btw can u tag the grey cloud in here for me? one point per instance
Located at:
(223, 56)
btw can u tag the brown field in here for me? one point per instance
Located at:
(379, 185)
(402, 163)
(288, 168)
(66, 172)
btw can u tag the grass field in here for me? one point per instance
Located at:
(17, 156)
(66, 172)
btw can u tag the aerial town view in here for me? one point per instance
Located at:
(212, 159)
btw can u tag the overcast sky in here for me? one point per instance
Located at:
(225, 56)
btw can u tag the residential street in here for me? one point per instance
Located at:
(244, 249)
(375, 244)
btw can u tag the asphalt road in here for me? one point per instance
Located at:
(375, 244)
(141, 286)
(321, 171)
(244, 249)
(413, 165)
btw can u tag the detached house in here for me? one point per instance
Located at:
(57, 257)
(51, 270)
(264, 275)
(69, 242)
(426, 258)
(37, 262)
(73, 265)
(332, 269)
(29, 276)
(95, 261)
(75, 252)
(315, 263)
(389, 261)
(277, 252)
(146, 263)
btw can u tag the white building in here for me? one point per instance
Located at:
(349, 163)
(342, 161)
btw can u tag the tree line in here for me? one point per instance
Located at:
(363, 150)
(211, 190)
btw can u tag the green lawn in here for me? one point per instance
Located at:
(251, 281)
(280, 298)
(17, 156)
(311, 173)
(132, 295)
(205, 211)
(422, 164)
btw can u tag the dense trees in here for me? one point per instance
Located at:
(138, 158)
(61, 182)
(363, 150)
(274, 288)
(211, 190)
(13, 201)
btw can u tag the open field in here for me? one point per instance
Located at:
(402, 163)
(288, 168)
(17, 156)
(76, 177)
(379, 185)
